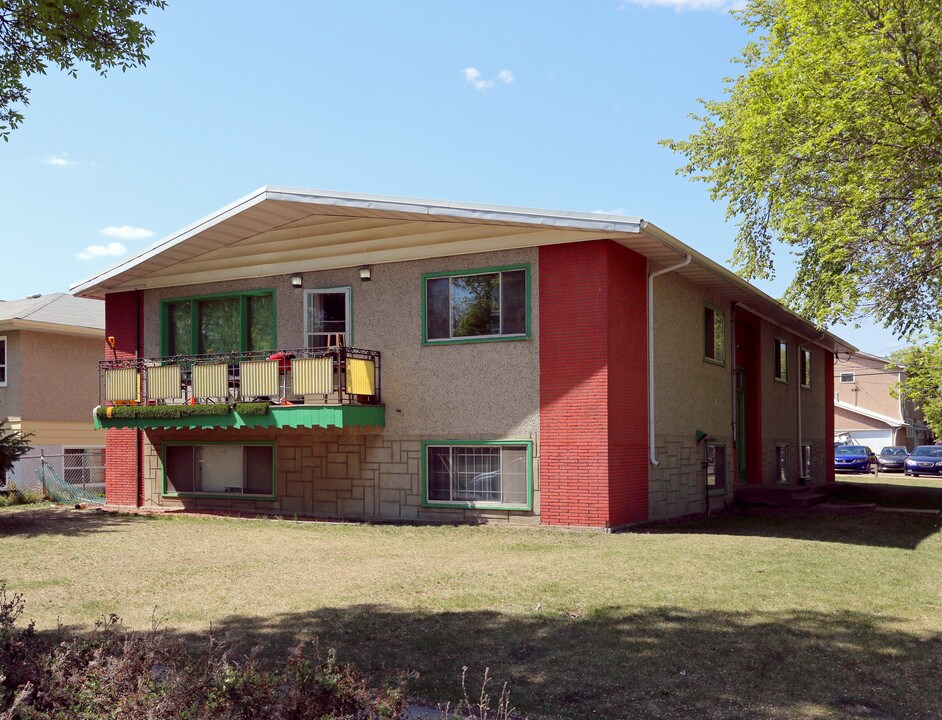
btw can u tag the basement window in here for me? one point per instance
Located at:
(220, 470)
(496, 474)
(716, 466)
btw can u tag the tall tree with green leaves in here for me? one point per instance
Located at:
(922, 381)
(13, 446)
(35, 34)
(830, 141)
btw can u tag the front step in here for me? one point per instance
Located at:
(771, 495)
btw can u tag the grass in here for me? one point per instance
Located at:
(776, 614)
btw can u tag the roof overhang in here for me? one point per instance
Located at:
(11, 325)
(886, 419)
(281, 231)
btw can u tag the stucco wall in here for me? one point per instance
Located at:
(690, 394)
(10, 395)
(459, 390)
(871, 386)
(354, 474)
(60, 376)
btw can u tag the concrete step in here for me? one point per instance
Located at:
(771, 495)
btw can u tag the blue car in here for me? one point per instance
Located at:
(924, 460)
(853, 458)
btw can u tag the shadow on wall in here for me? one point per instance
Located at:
(863, 527)
(621, 663)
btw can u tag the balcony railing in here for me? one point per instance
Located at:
(335, 375)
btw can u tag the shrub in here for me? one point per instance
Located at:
(15, 496)
(251, 408)
(163, 411)
(115, 673)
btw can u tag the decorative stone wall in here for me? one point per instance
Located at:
(349, 474)
(677, 484)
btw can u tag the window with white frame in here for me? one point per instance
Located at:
(714, 334)
(781, 463)
(328, 317)
(715, 466)
(848, 377)
(84, 466)
(478, 474)
(806, 460)
(3, 360)
(219, 469)
(804, 368)
(475, 306)
(781, 360)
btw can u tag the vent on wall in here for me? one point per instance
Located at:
(848, 377)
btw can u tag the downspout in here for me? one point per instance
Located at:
(651, 454)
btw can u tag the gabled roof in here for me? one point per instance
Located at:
(892, 422)
(281, 231)
(57, 312)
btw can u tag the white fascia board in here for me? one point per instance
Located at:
(892, 422)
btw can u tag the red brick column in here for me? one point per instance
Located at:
(593, 401)
(123, 448)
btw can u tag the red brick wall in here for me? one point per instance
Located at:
(592, 386)
(123, 448)
(627, 386)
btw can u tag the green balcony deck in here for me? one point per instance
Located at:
(276, 416)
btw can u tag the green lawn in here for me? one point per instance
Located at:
(771, 614)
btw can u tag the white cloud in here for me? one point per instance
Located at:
(112, 249)
(473, 77)
(61, 160)
(682, 5)
(126, 232)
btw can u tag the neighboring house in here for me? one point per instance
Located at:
(866, 413)
(50, 346)
(510, 365)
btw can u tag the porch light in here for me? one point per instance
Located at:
(296, 281)
(366, 274)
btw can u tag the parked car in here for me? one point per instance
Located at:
(891, 458)
(854, 458)
(924, 460)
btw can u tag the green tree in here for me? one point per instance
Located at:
(830, 141)
(13, 446)
(35, 34)
(922, 381)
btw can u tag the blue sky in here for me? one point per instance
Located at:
(554, 105)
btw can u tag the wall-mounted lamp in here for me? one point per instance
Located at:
(366, 274)
(296, 281)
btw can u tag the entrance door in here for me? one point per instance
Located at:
(326, 314)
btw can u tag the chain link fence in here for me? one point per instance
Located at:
(81, 469)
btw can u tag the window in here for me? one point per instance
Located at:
(716, 467)
(218, 323)
(806, 460)
(781, 360)
(848, 377)
(477, 305)
(85, 467)
(3, 360)
(219, 469)
(804, 367)
(478, 474)
(327, 313)
(781, 463)
(714, 335)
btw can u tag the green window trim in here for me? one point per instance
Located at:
(243, 296)
(711, 311)
(471, 505)
(219, 496)
(479, 338)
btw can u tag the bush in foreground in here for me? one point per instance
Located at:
(115, 673)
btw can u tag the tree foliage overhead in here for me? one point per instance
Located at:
(35, 34)
(830, 140)
(922, 381)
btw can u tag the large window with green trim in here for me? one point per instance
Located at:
(483, 474)
(477, 305)
(233, 322)
(219, 469)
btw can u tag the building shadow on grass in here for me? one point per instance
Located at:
(887, 494)
(857, 527)
(625, 663)
(63, 521)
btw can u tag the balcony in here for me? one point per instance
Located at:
(335, 386)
